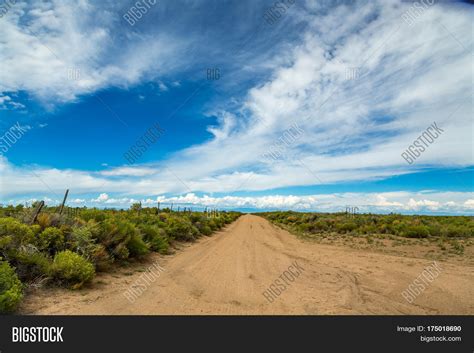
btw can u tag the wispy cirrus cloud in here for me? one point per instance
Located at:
(43, 42)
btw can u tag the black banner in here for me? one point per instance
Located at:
(243, 333)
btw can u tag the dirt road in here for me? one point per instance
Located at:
(228, 272)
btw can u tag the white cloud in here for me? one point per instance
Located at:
(6, 102)
(415, 205)
(102, 198)
(396, 201)
(360, 132)
(162, 87)
(58, 50)
(382, 201)
(366, 202)
(129, 171)
(77, 201)
(3, 100)
(469, 203)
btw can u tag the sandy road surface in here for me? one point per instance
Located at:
(228, 272)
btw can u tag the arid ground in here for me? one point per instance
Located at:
(228, 272)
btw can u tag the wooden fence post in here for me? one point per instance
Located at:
(37, 211)
(64, 201)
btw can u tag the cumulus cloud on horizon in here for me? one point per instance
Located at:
(401, 201)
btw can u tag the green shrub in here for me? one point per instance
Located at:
(5, 244)
(205, 229)
(36, 229)
(452, 230)
(51, 240)
(181, 229)
(196, 217)
(160, 244)
(155, 237)
(136, 246)
(58, 220)
(434, 230)
(418, 231)
(30, 264)
(212, 224)
(321, 225)
(11, 291)
(215, 223)
(368, 229)
(82, 241)
(120, 252)
(306, 228)
(100, 257)
(457, 247)
(115, 234)
(44, 220)
(392, 224)
(346, 227)
(72, 269)
(20, 233)
(93, 214)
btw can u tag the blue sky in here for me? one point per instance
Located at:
(310, 112)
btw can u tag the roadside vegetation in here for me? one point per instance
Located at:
(450, 234)
(68, 249)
